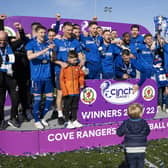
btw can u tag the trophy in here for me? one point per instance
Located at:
(161, 26)
(158, 20)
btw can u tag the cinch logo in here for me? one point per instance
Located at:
(88, 95)
(118, 93)
(148, 93)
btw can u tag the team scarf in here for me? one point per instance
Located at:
(7, 58)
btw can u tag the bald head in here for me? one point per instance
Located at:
(3, 38)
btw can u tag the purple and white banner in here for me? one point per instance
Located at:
(104, 101)
(61, 140)
(50, 23)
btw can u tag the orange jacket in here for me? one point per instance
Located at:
(71, 80)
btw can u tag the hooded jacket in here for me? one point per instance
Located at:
(135, 132)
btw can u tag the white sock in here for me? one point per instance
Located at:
(60, 114)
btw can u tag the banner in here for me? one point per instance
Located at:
(26, 22)
(104, 101)
(61, 140)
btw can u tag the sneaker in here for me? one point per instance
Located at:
(159, 109)
(77, 124)
(166, 110)
(3, 125)
(70, 125)
(61, 121)
(44, 122)
(14, 123)
(38, 125)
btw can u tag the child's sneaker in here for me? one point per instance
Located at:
(70, 125)
(38, 125)
(44, 122)
(77, 124)
(14, 123)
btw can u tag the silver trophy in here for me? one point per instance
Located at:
(161, 26)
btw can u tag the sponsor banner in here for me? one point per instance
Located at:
(104, 101)
(50, 23)
(61, 140)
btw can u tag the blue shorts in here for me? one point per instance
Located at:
(42, 86)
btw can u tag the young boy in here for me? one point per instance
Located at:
(71, 80)
(135, 129)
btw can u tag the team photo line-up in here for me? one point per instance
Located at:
(45, 59)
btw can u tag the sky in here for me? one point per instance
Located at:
(123, 11)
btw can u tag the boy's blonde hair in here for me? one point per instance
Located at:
(135, 110)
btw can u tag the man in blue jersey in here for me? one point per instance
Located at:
(146, 54)
(125, 67)
(125, 44)
(136, 38)
(146, 51)
(39, 53)
(107, 51)
(91, 45)
(63, 46)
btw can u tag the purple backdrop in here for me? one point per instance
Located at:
(60, 140)
(49, 22)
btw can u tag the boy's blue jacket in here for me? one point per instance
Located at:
(135, 132)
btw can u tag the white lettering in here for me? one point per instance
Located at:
(51, 137)
(95, 133)
(156, 126)
(101, 114)
(61, 136)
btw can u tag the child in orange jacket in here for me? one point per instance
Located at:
(71, 81)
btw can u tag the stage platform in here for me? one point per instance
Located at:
(53, 124)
